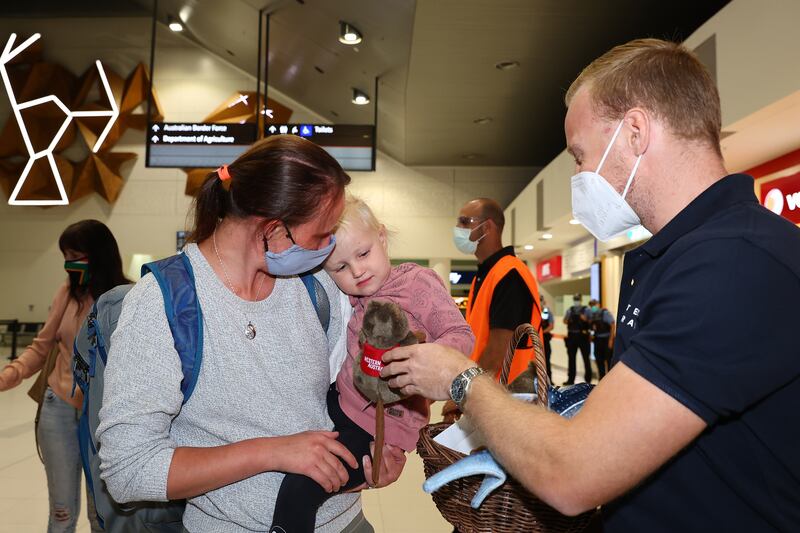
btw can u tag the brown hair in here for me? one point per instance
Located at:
(663, 77)
(282, 177)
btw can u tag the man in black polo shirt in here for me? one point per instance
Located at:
(696, 426)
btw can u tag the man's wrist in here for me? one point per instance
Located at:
(459, 386)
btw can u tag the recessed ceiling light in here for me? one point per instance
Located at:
(174, 25)
(528, 247)
(507, 65)
(348, 34)
(360, 97)
(574, 221)
(482, 120)
(547, 236)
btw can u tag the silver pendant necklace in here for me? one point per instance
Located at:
(249, 329)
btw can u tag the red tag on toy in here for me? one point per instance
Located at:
(371, 362)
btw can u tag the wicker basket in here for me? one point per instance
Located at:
(511, 508)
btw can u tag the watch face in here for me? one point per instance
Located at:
(457, 389)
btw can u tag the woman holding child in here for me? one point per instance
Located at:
(259, 407)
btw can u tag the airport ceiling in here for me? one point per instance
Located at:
(435, 61)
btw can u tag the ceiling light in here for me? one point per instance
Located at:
(574, 221)
(507, 65)
(360, 97)
(174, 25)
(547, 236)
(482, 120)
(528, 247)
(348, 34)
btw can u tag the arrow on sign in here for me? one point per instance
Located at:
(273, 129)
(155, 127)
(154, 138)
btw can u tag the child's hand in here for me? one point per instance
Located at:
(394, 459)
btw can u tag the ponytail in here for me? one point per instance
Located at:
(211, 204)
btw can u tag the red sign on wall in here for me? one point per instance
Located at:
(782, 196)
(549, 269)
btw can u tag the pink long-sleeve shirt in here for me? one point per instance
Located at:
(421, 294)
(63, 323)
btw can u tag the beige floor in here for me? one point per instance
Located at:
(400, 508)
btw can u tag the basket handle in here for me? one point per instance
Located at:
(538, 351)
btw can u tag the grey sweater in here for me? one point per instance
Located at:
(273, 385)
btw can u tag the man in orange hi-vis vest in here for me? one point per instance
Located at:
(504, 293)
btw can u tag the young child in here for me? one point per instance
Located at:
(360, 267)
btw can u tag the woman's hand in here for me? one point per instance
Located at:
(315, 454)
(394, 459)
(9, 378)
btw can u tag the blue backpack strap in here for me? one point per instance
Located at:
(319, 299)
(175, 277)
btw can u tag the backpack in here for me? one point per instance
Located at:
(176, 279)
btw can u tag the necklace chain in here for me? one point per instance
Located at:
(250, 329)
(225, 270)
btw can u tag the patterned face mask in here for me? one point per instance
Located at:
(78, 271)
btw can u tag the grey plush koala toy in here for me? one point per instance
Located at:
(385, 327)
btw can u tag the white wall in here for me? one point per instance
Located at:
(420, 204)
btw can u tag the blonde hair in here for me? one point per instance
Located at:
(356, 211)
(662, 77)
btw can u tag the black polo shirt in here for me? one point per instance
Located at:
(512, 302)
(689, 323)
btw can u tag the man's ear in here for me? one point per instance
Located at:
(638, 130)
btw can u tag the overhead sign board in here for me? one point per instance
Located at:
(197, 145)
(352, 145)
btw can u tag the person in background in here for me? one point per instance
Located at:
(93, 266)
(547, 333)
(603, 327)
(578, 338)
(504, 293)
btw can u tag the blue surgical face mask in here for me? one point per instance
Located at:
(462, 241)
(295, 259)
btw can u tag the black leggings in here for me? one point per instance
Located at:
(300, 496)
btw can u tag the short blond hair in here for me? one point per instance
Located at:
(356, 211)
(662, 77)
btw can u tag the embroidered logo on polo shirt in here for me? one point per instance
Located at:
(630, 316)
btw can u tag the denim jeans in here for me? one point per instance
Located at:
(58, 440)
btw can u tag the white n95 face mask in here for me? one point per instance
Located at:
(598, 206)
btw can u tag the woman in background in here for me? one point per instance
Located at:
(93, 264)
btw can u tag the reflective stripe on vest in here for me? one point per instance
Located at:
(478, 311)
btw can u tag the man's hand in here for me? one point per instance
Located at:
(394, 459)
(424, 369)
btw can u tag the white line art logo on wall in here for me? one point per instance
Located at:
(8, 54)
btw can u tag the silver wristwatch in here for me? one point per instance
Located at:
(460, 385)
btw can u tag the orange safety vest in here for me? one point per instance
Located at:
(478, 311)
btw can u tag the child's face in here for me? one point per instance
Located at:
(359, 264)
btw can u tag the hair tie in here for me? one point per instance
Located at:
(223, 173)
